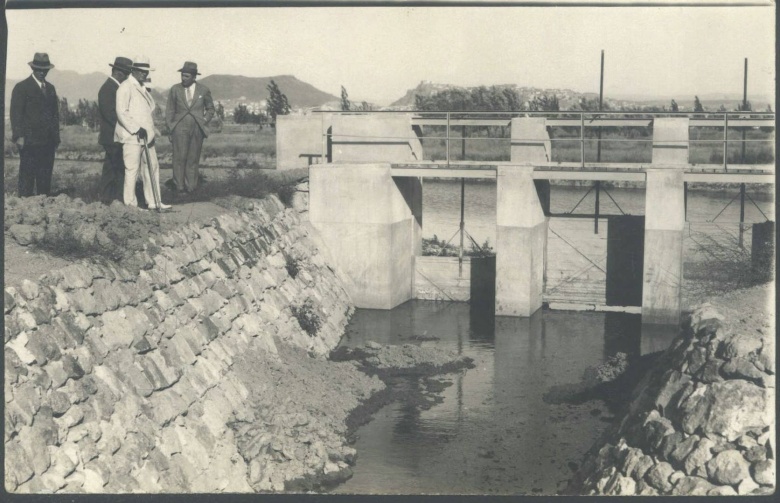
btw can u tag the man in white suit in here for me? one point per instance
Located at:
(134, 107)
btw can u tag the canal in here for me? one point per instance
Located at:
(499, 428)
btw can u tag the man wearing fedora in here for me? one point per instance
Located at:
(188, 111)
(113, 177)
(134, 127)
(35, 126)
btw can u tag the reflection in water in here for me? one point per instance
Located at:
(487, 429)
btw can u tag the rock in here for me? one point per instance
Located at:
(728, 468)
(682, 450)
(29, 289)
(710, 372)
(72, 367)
(736, 406)
(741, 368)
(747, 486)
(696, 359)
(642, 467)
(674, 381)
(658, 476)
(764, 472)
(692, 486)
(722, 491)
(654, 433)
(698, 456)
(741, 345)
(26, 234)
(755, 453)
(669, 444)
(645, 489)
(59, 403)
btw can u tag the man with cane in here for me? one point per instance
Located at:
(135, 130)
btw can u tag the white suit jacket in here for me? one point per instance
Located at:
(134, 107)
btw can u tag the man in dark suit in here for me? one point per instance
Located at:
(35, 125)
(113, 178)
(188, 110)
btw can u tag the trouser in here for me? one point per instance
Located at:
(36, 163)
(187, 139)
(135, 159)
(113, 178)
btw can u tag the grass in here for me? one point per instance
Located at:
(231, 145)
(79, 179)
(307, 317)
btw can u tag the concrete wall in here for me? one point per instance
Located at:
(530, 141)
(364, 219)
(374, 138)
(664, 224)
(670, 140)
(520, 243)
(299, 134)
(124, 381)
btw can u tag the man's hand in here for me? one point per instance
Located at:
(20, 142)
(142, 134)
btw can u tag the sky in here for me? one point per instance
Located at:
(378, 53)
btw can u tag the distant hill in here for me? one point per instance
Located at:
(69, 84)
(255, 89)
(76, 86)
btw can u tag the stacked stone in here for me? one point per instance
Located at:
(701, 423)
(118, 378)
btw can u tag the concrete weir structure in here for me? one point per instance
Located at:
(366, 200)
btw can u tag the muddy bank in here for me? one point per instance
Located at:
(701, 421)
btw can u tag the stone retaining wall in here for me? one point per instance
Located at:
(701, 423)
(119, 381)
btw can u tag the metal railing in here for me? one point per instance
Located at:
(569, 119)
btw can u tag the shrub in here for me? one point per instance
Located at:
(307, 317)
(286, 194)
(291, 264)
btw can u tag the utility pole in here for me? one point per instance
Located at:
(598, 144)
(742, 161)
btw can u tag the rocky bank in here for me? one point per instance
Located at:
(701, 422)
(182, 367)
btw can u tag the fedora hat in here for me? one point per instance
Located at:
(142, 63)
(124, 64)
(189, 67)
(41, 61)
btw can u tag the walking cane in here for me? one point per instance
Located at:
(157, 198)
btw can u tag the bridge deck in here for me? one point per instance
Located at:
(703, 173)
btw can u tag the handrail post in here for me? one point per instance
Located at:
(725, 141)
(582, 139)
(447, 141)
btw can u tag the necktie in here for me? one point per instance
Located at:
(43, 87)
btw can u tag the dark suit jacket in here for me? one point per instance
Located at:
(107, 106)
(35, 117)
(202, 108)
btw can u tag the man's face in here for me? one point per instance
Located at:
(187, 79)
(140, 75)
(39, 73)
(120, 76)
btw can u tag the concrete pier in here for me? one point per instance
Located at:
(365, 219)
(521, 235)
(663, 255)
(664, 223)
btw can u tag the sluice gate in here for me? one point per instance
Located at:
(366, 202)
